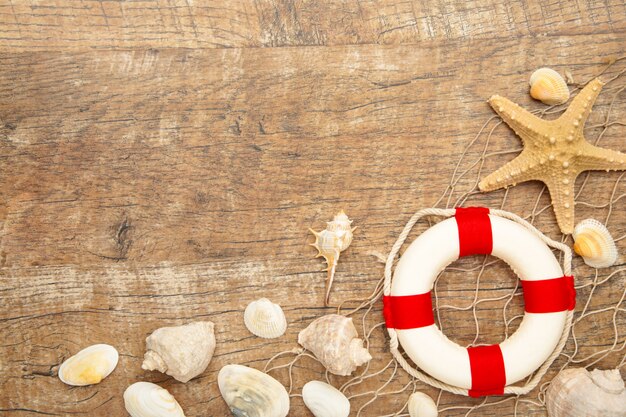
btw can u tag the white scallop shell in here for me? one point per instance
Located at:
(145, 399)
(265, 319)
(578, 392)
(594, 243)
(547, 86)
(421, 405)
(325, 400)
(252, 393)
(89, 366)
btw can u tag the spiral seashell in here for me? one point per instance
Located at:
(89, 366)
(252, 393)
(145, 399)
(421, 405)
(330, 242)
(265, 319)
(594, 243)
(547, 86)
(182, 352)
(325, 400)
(578, 392)
(334, 342)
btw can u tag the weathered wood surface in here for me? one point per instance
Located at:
(175, 179)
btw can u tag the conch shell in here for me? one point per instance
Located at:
(578, 392)
(330, 242)
(89, 366)
(265, 319)
(252, 393)
(325, 400)
(182, 352)
(145, 399)
(421, 405)
(333, 339)
(547, 86)
(594, 243)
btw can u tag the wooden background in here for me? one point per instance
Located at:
(161, 162)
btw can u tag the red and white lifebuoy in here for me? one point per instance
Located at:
(481, 370)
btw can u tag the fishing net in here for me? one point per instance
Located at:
(493, 308)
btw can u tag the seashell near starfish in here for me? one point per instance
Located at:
(555, 152)
(594, 243)
(324, 400)
(334, 341)
(89, 366)
(421, 405)
(182, 352)
(547, 86)
(145, 399)
(578, 392)
(330, 242)
(252, 393)
(265, 319)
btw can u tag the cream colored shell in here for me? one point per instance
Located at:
(578, 392)
(421, 405)
(333, 339)
(145, 399)
(89, 366)
(547, 86)
(182, 352)
(265, 319)
(325, 400)
(594, 243)
(252, 393)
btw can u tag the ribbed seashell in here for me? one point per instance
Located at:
(594, 243)
(325, 400)
(89, 366)
(334, 341)
(252, 393)
(330, 242)
(145, 399)
(182, 352)
(421, 405)
(265, 319)
(577, 392)
(547, 86)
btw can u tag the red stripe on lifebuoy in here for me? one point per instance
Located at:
(475, 237)
(408, 311)
(487, 367)
(549, 295)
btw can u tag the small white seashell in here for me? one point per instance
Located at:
(325, 400)
(421, 405)
(547, 86)
(265, 319)
(145, 399)
(594, 243)
(330, 242)
(334, 341)
(89, 366)
(577, 392)
(182, 352)
(252, 393)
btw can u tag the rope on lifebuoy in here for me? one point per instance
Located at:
(394, 344)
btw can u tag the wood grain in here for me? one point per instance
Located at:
(175, 179)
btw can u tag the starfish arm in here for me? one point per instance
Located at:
(524, 167)
(525, 124)
(594, 158)
(578, 111)
(562, 196)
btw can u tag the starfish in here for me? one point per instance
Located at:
(555, 151)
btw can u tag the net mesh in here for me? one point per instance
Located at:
(598, 336)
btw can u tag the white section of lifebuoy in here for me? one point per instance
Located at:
(436, 248)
